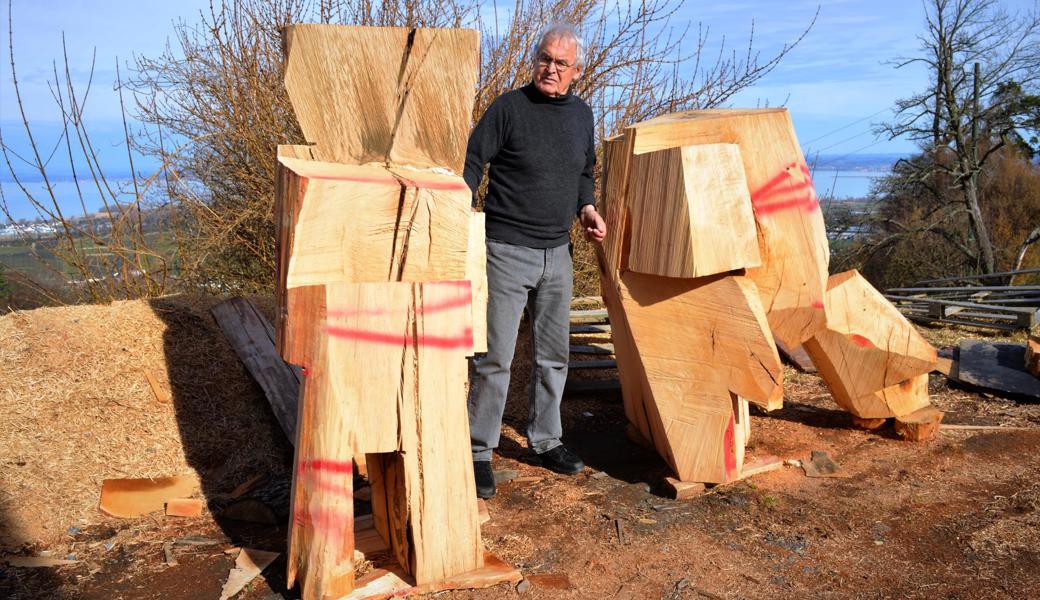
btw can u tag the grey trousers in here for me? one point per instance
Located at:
(540, 280)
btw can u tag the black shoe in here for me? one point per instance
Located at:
(484, 477)
(562, 460)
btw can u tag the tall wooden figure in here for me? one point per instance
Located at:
(381, 296)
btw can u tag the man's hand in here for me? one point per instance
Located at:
(594, 225)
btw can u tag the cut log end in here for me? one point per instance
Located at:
(920, 425)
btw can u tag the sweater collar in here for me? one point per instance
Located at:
(537, 97)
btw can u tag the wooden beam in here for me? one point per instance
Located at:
(252, 338)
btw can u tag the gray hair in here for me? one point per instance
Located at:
(560, 30)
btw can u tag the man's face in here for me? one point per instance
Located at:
(554, 66)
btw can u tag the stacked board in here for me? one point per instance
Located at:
(718, 248)
(381, 297)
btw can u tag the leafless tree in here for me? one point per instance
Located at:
(973, 49)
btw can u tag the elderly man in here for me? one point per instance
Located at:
(540, 145)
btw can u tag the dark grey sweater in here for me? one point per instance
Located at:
(542, 152)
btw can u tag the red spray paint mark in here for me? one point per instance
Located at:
(327, 519)
(415, 182)
(427, 309)
(861, 341)
(730, 453)
(817, 304)
(462, 341)
(322, 473)
(785, 192)
(328, 466)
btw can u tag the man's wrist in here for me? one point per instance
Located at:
(586, 208)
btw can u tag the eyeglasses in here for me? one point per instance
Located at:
(545, 60)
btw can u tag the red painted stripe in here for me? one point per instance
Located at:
(807, 204)
(328, 466)
(730, 452)
(327, 519)
(465, 340)
(427, 309)
(415, 182)
(861, 341)
(818, 304)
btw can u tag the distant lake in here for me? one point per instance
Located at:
(845, 184)
(65, 193)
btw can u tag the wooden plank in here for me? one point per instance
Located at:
(252, 337)
(589, 386)
(975, 289)
(974, 277)
(691, 212)
(598, 315)
(996, 307)
(985, 325)
(999, 367)
(604, 328)
(417, 100)
(592, 348)
(580, 365)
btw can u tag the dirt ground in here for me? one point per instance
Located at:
(957, 517)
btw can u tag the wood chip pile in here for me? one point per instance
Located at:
(76, 408)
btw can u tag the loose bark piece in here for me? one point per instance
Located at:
(792, 237)
(252, 337)
(35, 562)
(135, 497)
(250, 510)
(761, 464)
(184, 507)
(250, 483)
(394, 582)
(482, 510)
(414, 106)
(248, 565)
(1032, 355)
(551, 581)
(820, 465)
(868, 424)
(161, 395)
(691, 212)
(684, 490)
(920, 425)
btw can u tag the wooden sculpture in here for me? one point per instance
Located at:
(381, 297)
(717, 247)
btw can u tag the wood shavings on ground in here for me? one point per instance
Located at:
(76, 409)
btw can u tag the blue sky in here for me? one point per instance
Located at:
(836, 76)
